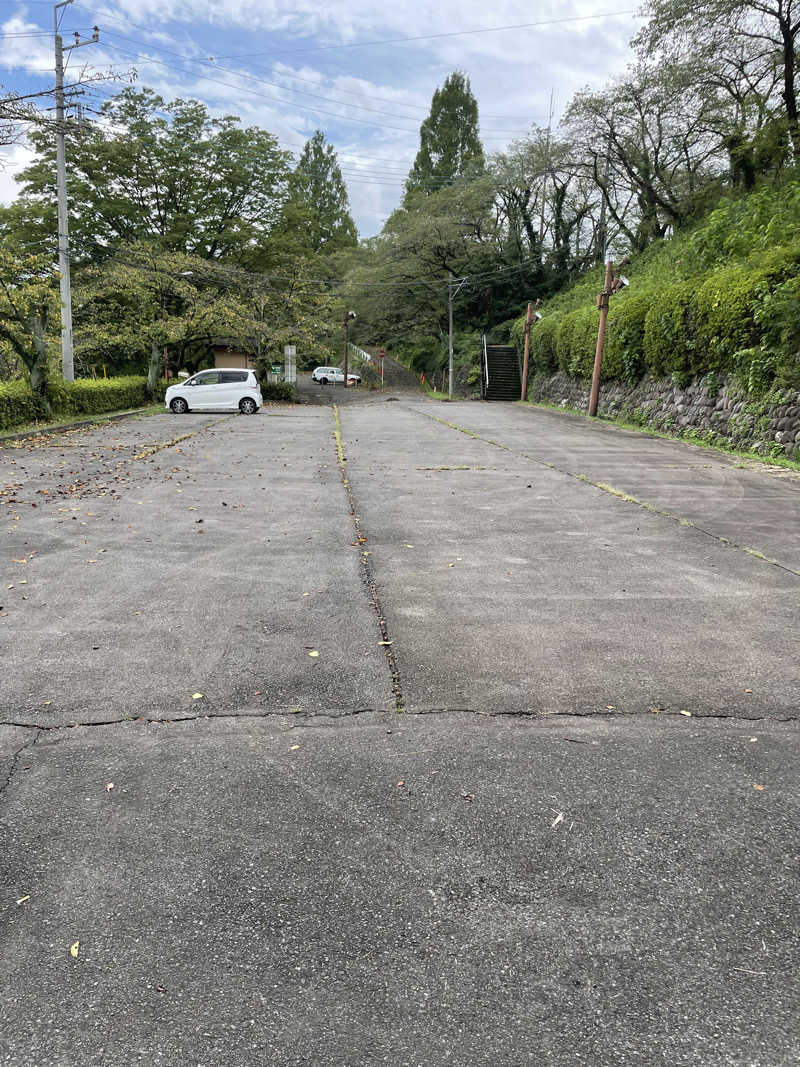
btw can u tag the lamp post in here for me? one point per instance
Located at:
(530, 318)
(350, 315)
(612, 283)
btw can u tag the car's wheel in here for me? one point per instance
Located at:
(324, 381)
(248, 406)
(179, 405)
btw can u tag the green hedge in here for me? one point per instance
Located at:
(720, 299)
(17, 404)
(93, 396)
(543, 357)
(623, 357)
(86, 396)
(669, 331)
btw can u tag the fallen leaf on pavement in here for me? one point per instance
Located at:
(313, 653)
(760, 788)
(74, 949)
(197, 696)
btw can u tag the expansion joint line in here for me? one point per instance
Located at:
(366, 567)
(619, 493)
(161, 445)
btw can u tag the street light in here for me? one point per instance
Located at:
(350, 315)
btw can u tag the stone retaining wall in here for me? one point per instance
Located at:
(720, 412)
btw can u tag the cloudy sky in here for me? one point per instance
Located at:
(362, 72)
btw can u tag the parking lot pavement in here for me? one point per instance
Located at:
(553, 822)
(509, 584)
(138, 573)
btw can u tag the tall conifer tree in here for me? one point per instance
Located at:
(319, 197)
(449, 143)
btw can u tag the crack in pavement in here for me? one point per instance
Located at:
(613, 491)
(16, 755)
(303, 720)
(366, 567)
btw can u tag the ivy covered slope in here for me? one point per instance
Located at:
(721, 299)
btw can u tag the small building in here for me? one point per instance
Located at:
(232, 354)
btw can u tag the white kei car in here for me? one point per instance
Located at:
(216, 390)
(334, 375)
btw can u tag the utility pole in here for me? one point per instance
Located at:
(612, 284)
(67, 358)
(451, 293)
(547, 173)
(348, 316)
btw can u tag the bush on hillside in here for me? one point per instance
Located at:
(669, 331)
(543, 357)
(564, 340)
(724, 323)
(623, 357)
(583, 343)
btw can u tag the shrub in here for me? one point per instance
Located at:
(17, 404)
(280, 392)
(668, 331)
(725, 304)
(542, 356)
(623, 357)
(583, 342)
(86, 396)
(93, 396)
(564, 340)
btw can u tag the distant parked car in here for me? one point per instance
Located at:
(334, 375)
(216, 390)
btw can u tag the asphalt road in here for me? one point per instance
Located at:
(396, 732)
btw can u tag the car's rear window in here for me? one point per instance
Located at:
(233, 376)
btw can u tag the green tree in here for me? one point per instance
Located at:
(28, 306)
(449, 142)
(165, 173)
(318, 210)
(767, 30)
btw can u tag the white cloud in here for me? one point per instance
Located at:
(512, 72)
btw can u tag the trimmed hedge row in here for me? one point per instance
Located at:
(684, 329)
(86, 396)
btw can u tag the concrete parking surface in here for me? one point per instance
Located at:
(396, 732)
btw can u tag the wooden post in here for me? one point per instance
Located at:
(528, 322)
(602, 303)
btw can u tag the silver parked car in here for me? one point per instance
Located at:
(335, 375)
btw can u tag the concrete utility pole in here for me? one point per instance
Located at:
(348, 316)
(67, 359)
(451, 293)
(611, 284)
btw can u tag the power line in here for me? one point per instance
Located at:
(286, 88)
(290, 102)
(432, 36)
